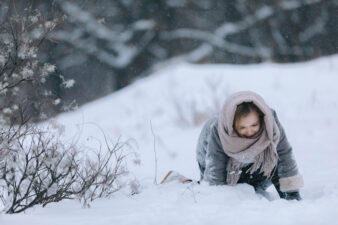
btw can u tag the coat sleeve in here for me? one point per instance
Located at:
(289, 177)
(216, 160)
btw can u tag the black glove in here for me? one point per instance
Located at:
(290, 195)
(293, 196)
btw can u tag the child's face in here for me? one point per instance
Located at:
(249, 125)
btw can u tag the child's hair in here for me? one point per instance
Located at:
(245, 108)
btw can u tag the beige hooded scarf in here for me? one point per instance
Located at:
(259, 150)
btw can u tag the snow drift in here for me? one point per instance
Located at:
(161, 116)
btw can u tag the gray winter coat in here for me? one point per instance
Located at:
(212, 159)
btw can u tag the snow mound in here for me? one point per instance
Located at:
(164, 112)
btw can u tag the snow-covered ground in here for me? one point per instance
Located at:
(164, 113)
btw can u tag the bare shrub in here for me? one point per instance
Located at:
(193, 108)
(38, 168)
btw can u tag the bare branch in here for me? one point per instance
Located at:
(217, 39)
(37, 168)
(117, 53)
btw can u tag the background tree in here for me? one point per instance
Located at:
(104, 45)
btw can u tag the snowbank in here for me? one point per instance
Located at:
(171, 106)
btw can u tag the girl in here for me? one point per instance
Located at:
(247, 144)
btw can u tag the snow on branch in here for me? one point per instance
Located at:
(38, 168)
(76, 14)
(117, 53)
(294, 4)
(231, 28)
(315, 28)
(217, 38)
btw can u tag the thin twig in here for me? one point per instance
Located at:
(155, 153)
(192, 191)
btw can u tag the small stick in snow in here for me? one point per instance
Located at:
(155, 153)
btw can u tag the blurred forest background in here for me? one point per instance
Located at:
(102, 46)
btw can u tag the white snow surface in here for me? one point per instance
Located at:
(168, 107)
